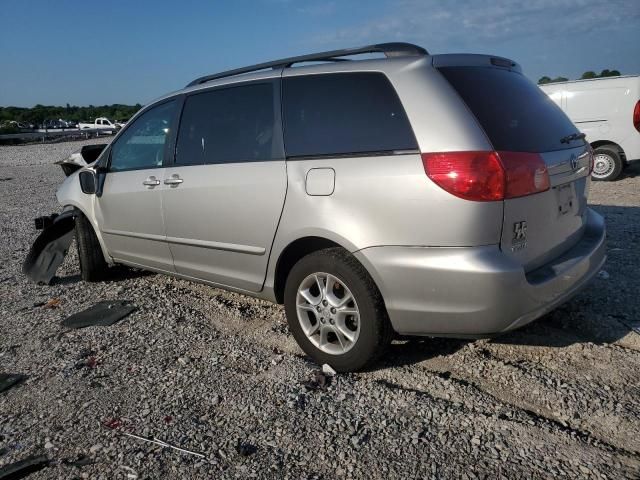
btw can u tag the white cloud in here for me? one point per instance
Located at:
(467, 22)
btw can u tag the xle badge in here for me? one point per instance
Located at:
(519, 236)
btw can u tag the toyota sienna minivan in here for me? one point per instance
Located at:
(413, 194)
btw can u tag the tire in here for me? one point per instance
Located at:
(607, 164)
(370, 335)
(93, 267)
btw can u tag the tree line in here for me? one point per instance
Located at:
(585, 76)
(38, 114)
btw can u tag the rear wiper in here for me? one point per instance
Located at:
(573, 136)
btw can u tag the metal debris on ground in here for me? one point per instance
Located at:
(102, 314)
(8, 380)
(21, 469)
(162, 443)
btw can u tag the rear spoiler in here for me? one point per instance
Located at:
(474, 60)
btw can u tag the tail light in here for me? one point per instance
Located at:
(487, 176)
(636, 116)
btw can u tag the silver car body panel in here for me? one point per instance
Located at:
(443, 265)
(233, 212)
(477, 291)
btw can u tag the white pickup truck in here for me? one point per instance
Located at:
(607, 110)
(101, 123)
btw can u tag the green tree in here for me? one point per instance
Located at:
(588, 75)
(609, 73)
(543, 80)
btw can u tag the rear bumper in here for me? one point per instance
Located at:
(478, 291)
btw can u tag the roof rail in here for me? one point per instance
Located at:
(395, 49)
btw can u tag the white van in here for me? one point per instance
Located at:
(607, 110)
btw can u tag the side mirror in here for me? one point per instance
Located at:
(88, 182)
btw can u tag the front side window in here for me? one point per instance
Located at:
(142, 144)
(343, 113)
(229, 125)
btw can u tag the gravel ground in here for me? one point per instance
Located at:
(218, 373)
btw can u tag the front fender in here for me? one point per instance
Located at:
(69, 195)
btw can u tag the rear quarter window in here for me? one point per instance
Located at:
(515, 114)
(343, 114)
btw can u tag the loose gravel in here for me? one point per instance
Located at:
(218, 374)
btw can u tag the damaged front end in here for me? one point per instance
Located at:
(81, 158)
(50, 247)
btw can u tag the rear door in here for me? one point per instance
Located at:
(518, 117)
(225, 192)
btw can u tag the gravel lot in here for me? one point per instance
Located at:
(218, 373)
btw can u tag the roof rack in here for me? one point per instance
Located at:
(395, 49)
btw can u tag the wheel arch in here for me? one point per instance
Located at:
(609, 143)
(81, 208)
(290, 255)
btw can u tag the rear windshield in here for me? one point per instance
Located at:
(516, 115)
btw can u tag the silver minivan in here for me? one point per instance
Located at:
(414, 194)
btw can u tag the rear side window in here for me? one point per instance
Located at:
(515, 114)
(229, 125)
(343, 113)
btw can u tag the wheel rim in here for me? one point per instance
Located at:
(328, 313)
(603, 165)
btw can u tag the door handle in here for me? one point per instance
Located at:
(151, 182)
(174, 180)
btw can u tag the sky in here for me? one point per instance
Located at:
(132, 51)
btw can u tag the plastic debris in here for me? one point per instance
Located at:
(245, 449)
(328, 370)
(8, 380)
(79, 461)
(101, 314)
(603, 274)
(52, 303)
(50, 248)
(21, 469)
(320, 381)
(131, 473)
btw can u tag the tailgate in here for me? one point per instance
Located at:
(518, 117)
(540, 227)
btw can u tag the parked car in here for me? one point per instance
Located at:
(371, 197)
(53, 124)
(21, 125)
(607, 110)
(101, 123)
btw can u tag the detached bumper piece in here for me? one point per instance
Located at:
(51, 246)
(102, 314)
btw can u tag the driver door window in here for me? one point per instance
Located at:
(142, 145)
